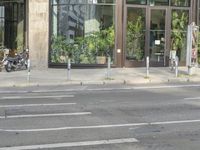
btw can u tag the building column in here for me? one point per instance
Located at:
(38, 33)
(119, 34)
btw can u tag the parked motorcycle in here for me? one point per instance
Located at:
(19, 62)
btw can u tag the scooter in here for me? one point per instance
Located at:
(19, 62)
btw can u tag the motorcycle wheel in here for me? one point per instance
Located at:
(8, 67)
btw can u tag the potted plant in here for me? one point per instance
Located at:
(105, 44)
(178, 36)
(135, 40)
(62, 49)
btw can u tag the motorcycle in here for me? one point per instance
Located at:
(19, 62)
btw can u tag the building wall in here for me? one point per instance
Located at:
(38, 35)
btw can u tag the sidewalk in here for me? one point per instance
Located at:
(96, 76)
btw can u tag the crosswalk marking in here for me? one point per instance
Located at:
(36, 97)
(36, 105)
(72, 144)
(46, 115)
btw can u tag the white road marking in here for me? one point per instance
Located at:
(73, 144)
(46, 115)
(37, 97)
(166, 86)
(101, 126)
(192, 98)
(34, 105)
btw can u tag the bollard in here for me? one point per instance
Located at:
(176, 66)
(108, 67)
(29, 70)
(69, 69)
(147, 66)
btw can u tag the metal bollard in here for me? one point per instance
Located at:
(176, 66)
(29, 70)
(147, 66)
(108, 67)
(69, 69)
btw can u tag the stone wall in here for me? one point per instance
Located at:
(38, 32)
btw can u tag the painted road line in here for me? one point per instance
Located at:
(46, 115)
(37, 97)
(165, 86)
(192, 98)
(36, 105)
(102, 126)
(73, 144)
(75, 127)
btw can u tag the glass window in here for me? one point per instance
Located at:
(85, 32)
(180, 3)
(2, 25)
(135, 34)
(82, 1)
(179, 22)
(159, 2)
(143, 2)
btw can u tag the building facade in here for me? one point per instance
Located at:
(90, 31)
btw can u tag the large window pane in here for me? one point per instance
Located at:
(12, 24)
(179, 22)
(135, 34)
(2, 25)
(143, 2)
(85, 31)
(184, 3)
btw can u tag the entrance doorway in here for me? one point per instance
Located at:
(157, 38)
(145, 35)
(12, 24)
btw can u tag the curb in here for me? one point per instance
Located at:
(104, 82)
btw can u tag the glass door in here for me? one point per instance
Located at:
(157, 37)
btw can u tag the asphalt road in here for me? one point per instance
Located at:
(114, 117)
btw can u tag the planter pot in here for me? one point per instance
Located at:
(101, 59)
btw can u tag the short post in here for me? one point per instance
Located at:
(69, 69)
(147, 66)
(176, 66)
(29, 70)
(108, 67)
(190, 70)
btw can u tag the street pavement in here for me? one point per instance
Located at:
(120, 117)
(96, 76)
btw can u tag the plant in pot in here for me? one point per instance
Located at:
(178, 35)
(61, 49)
(105, 44)
(135, 40)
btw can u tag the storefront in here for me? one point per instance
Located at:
(127, 31)
(90, 31)
(154, 28)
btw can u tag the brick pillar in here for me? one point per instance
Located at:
(38, 32)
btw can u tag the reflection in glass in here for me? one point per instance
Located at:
(159, 2)
(2, 25)
(143, 2)
(183, 3)
(12, 14)
(157, 35)
(179, 22)
(82, 1)
(135, 34)
(87, 31)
